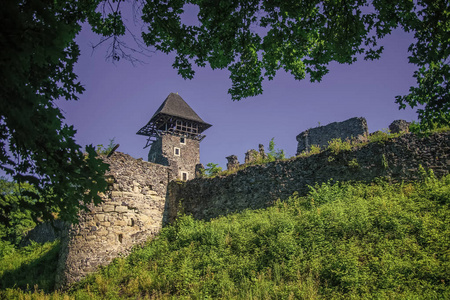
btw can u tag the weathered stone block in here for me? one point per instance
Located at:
(108, 208)
(99, 217)
(120, 223)
(251, 155)
(233, 162)
(90, 237)
(121, 209)
(102, 232)
(116, 194)
(399, 126)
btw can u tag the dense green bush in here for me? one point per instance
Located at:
(29, 267)
(342, 241)
(17, 219)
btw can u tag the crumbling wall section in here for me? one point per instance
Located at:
(320, 136)
(132, 212)
(259, 186)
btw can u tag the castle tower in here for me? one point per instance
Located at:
(175, 133)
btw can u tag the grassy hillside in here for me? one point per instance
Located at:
(342, 241)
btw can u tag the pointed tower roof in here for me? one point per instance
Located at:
(174, 116)
(175, 106)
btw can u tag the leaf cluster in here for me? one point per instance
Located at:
(211, 170)
(275, 154)
(271, 156)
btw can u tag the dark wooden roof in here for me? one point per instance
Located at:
(175, 106)
(172, 109)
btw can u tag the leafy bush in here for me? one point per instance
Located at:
(337, 145)
(379, 137)
(105, 150)
(353, 164)
(419, 129)
(315, 149)
(29, 267)
(17, 219)
(211, 170)
(272, 155)
(275, 154)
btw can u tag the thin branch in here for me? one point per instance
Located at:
(119, 49)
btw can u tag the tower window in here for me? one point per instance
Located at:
(184, 176)
(176, 151)
(183, 140)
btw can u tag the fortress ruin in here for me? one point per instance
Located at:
(145, 195)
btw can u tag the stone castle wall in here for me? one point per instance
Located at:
(144, 195)
(319, 136)
(259, 186)
(132, 212)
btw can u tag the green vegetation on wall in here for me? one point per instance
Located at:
(105, 150)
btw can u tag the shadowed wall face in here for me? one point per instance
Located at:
(259, 186)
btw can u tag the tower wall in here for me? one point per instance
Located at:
(163, 151)
(132, 212)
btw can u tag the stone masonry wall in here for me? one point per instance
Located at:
(319, 136)
(144, 195)
(162, 152)
(132, 212)
(259, 186)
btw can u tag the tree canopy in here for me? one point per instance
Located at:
(252, 39)
(37, 57)
(255, 39)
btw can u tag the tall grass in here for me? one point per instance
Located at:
(342, 241)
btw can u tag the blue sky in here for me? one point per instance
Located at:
(121, 98)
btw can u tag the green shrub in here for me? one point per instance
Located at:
(384, 162)
(379, 137)
(29, 267)
(353, 164)
(275, 154)
(337, 145)
(427, 130)
(105, 150)
(211, 170)
(315, 149)
(16, 218)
